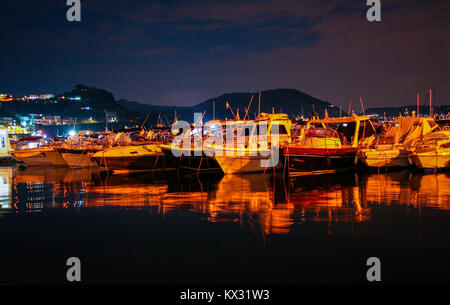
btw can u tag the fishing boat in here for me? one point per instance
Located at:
(35, 151)
(432, 151)
(258, 148)
(393, 148)
(328, 145)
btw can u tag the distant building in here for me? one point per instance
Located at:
(74, 98)
(51, 120)
(31, 97)
(111, 117)
(36, 118)
(6, 121)
(25, 120)
(68, 121)
(40, 96)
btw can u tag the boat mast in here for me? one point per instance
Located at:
(106, 121)
(418, 103)
(431, 106)
(248, 107)
(362, 105)
(259, 103)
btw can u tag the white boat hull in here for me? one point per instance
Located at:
(139, 157)
(78, 159)
(39, 157)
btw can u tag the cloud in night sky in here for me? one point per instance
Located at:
(183, 52)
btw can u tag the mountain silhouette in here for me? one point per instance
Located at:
(293, 102)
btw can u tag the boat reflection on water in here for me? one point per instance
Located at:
(38, 187)
(260, 203)
(328, 198)
(432, 190)
(404, 187)
(133, 190)
(250, 201)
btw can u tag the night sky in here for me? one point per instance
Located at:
(183, 52)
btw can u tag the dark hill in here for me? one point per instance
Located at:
(84, 102)
(92, 102)
(145, 108)
(290, 101)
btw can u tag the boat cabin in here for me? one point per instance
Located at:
(351, 129)
(321, 138)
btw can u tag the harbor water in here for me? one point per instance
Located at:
(166, 228)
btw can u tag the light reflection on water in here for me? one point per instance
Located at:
(268, 204)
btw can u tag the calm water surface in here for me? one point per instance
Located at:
(161, 228)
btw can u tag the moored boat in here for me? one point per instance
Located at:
(432, 151)
(328, 145)
(186, 152)
(78, 151)
(132, 157)
(394, 148)
(29, 151)
(319, 152)
(260, 147)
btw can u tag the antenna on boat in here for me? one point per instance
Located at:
(159, 122)
(248, 108)
(201, 120)
(349, 108)
(145, 120)
(73, 129)
(431, 106)
(214, 110)
(362, 105)
(259, 103)
(418, 103)
(106, 121)
(167, 120)
(227, 105)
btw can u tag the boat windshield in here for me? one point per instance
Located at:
(321, 133)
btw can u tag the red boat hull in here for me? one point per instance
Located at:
(300, 159)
